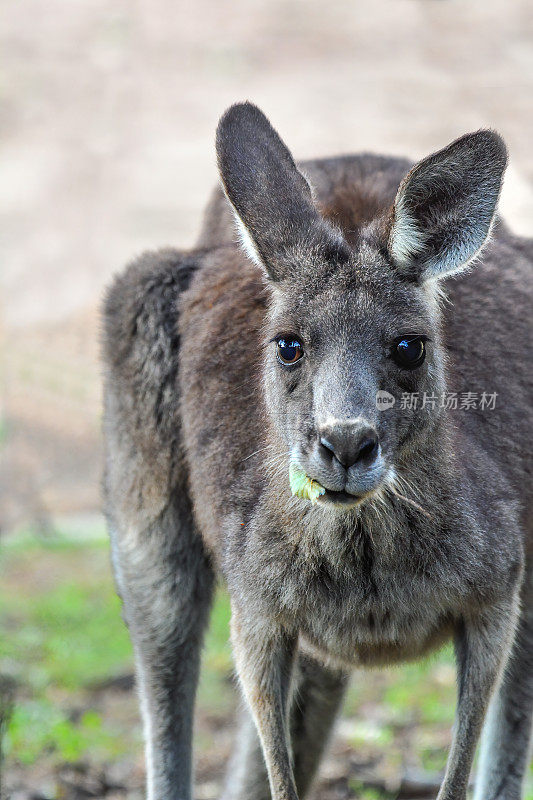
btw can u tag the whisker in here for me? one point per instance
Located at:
(260, 450)
(412, 503)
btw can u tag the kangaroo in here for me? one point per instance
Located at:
(245, 438)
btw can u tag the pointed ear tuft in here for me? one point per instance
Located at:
(445, 206)
(272, 201)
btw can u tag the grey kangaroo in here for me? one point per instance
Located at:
(245, 438)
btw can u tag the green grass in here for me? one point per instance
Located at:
(38, 727)
(432, 682)
(71, 633)
(62, 632)
(368, 793)
(217, 664)
(72, 637)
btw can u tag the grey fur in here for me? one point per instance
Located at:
(430, 538)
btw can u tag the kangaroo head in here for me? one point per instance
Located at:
(350, 320)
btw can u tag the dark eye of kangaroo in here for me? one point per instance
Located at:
(288, 350)
(409, 352)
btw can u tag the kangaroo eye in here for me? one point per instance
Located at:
(409, 352)
(289, 350)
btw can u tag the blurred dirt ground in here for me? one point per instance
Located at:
(109, 110)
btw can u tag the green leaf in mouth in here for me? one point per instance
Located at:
(303, 486)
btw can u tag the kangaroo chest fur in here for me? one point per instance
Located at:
(364, 591)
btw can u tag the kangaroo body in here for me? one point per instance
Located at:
(199, 439)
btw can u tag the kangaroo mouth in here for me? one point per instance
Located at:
(332, 497)
(307, 488)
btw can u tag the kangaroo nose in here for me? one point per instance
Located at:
(351, 445)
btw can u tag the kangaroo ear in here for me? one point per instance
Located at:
(277, 220)
(445, 206)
